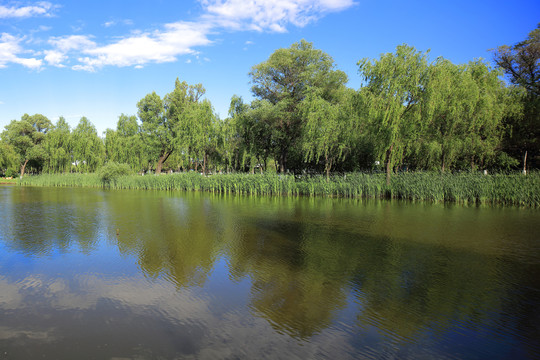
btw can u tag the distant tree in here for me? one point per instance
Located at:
(163, 127)
(231, 142)
(124, 145)
(283, 81)
(394, 87)
(521, 62)
(484, 126)
(9, 160)
(328, 128)
(26, 136)
(197, 132)
(260, 133)
(58, 146)
(88, 148)
(462, 109)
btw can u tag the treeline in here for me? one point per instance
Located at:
(410, 113)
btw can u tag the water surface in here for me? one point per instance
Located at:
(94, 274)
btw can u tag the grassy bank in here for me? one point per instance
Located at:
(469, 188)
(9, 181)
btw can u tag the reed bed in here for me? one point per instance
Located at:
(466, 188)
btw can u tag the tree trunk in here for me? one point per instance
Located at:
(283, 161)
(204, 164)
(389, 164)
(442, 168)
(328, 166)
(161, 160)
(525, 164)
(23, 167)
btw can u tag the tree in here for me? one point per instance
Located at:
(521, 62)
(394, 87)
(124, 145)
(163, 119)
(328, 129)
(88, 148)
(484, 126)
(231, 142)
(197, 132)
(8, 159)
(283, 80)
(26, 137)
(58, 146)
(260, 133)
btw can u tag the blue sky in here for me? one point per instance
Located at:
(98, 58)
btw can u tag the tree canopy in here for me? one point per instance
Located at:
(410, 113)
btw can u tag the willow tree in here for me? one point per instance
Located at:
(124, 145)
(192, 121)
(262, 138)
(8, 158)
(88, 148)
(394, 86)
(328, 128)
(484, 126)
(162, 120)
(521, 63)
(58, 145)
(231, 142)
(284, 79)
(26, 136)
(449, 101)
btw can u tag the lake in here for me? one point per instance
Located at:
(97, 274)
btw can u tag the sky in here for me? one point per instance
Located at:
(97, 58)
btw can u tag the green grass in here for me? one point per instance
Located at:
(8, 180)
(466, 188)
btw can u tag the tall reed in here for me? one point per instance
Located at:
(466, 188)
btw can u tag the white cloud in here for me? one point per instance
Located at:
(41, 8)
(64, 45)
(118, 22)
(10, 49)
(156, 47)
(269, 15)
(55, 58)
(166, 44)
(72, 42)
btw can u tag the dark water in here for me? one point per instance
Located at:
(92, 274)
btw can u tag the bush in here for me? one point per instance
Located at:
(112, 170)
(11, 173)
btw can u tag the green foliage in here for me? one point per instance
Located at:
(8, 159)
(88, 147)
(284, 80)
(26, 138)
(521, 63)
(464, 188)
(125, 144)
(178, 122)
(409, 114)
(112, 170)
(394, 88)
(58, 144)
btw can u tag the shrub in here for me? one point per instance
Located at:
(112, 170)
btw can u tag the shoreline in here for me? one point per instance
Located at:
(466, 188)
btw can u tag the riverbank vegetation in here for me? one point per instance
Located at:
(412, 114)
(464, 188)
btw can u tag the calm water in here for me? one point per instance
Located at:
(92, 274)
